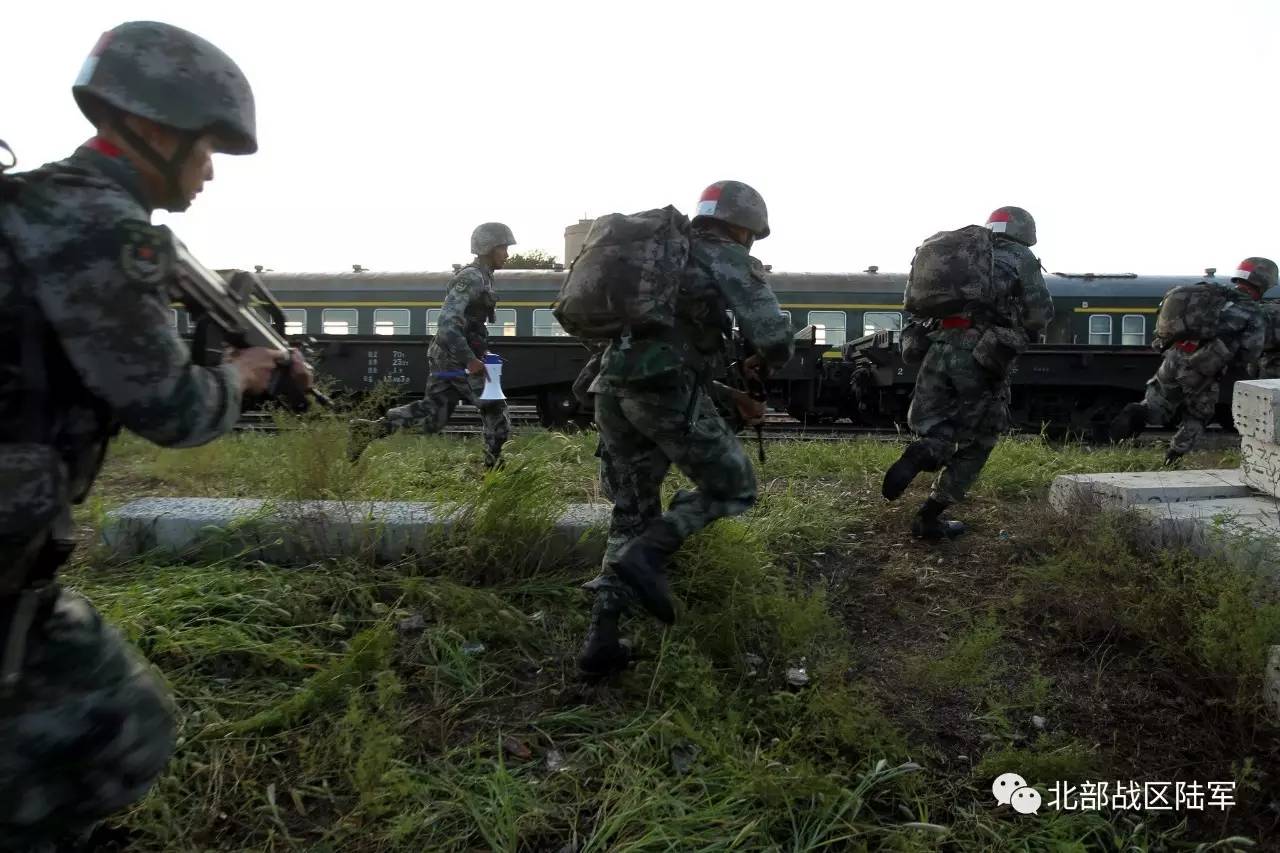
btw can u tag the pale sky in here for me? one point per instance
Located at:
(1141, 135)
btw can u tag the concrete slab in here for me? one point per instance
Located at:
(296, 532)
(1146, 487)
(1260, 463)
(1255, 408)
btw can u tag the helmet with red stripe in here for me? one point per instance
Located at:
(1014, 223)
(1259, 274)
(172, 77)
(735, 203)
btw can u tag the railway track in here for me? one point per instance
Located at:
(778, 427)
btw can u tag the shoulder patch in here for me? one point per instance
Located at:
(146, 252)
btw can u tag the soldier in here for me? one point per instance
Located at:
(86, 348)
(669, 418)
(1269, 365)
(1186, 383)
(461, 341)
(961, 400)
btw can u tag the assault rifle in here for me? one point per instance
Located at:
(240, 312)
(740, 380)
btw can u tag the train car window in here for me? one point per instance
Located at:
(545, 324)
(391, 321)
(505, 323)
(295, 321)
(433, 320)
(339, 321)
(829, 327)
(1099, 329)
(787, 314)
(882, 321)
(1133, 330)
(173, 318)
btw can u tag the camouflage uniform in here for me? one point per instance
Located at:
(1269, 364)
(1186, 383)
(959, 406)
(462, 335)
(653, 409)
(82, 272)
(85, 348)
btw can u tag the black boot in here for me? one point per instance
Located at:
(1172, 458)
(927, 525)
(603, 653)
(1130, 423)
(916, 458)
(362, 433)
(641, 566)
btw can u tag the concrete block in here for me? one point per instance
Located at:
(296, 532)
(1112, 491)
(1255, 408)
(1260, 464)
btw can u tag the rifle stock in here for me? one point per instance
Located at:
(240, 312)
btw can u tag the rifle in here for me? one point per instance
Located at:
(754, 387)
(239, 311)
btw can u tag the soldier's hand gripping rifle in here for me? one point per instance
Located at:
(747, 375)
(240, 313)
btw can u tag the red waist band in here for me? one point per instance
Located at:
(957, 323)
(1188, 346)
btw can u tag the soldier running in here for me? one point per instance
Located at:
(455, 358)
(1186, 385)
(961, 401)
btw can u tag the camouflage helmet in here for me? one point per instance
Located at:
(490, 236)
(1014, 223)
(172, 77)
(1261, 273)
(737, 204)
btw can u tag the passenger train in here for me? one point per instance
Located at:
(1100, 310)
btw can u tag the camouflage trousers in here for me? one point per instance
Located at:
(958, 409)
(86, 731)
(639, 443)
(442, 396)
(1178, 393)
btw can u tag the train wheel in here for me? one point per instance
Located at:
(558, 409)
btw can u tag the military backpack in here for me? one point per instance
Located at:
(952, 272)
(627, 278)
(1190, 312)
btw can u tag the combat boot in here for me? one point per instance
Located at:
(603, 653)
(1130, 423)
(363, 432)
(641, 566)
(1172, 458)
(916, 458)
(927, 525)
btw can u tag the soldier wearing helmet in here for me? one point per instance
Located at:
(960, 404)
(655, 409)
(85, 349)
(1186, 385)
(461, 341)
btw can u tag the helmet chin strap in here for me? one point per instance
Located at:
(170, 169)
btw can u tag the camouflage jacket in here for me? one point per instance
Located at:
(83, 260)
(721, 276)
(1029, 304)
(1242, 326)
(461, 334)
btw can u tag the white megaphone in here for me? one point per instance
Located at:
(492, 378)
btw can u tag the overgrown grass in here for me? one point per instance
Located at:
(433, 704)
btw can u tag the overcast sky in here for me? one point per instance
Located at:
(1141, 135)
